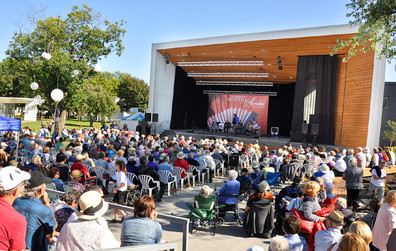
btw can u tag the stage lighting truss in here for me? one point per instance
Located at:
(240, 92)
(228, 75)
(238, 83)
(222, 63)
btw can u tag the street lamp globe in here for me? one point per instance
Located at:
(57, 95)
(34, 86)
(97, 68)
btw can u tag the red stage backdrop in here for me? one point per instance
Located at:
(247, 107)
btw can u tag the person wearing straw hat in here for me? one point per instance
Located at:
(90, 231)
(13, 226)
(76, 176)
(325, 238)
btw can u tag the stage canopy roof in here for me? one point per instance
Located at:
(252, 57)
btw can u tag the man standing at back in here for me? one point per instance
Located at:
(12, 224)
(235, 122)
(360, 157)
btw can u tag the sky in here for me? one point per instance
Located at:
(157, 21)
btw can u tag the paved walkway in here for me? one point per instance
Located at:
(228, 237)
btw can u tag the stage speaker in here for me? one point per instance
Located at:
(315, 129)
(155, 117)
(147, 117)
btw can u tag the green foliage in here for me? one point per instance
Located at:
(390, 134)
(133, 92)
(377, 30)
(75, 43)
(95, 100)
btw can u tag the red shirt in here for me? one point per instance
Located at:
(12, 228)
(81, 167)
(183, 164)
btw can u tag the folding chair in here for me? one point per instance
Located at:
(191, 170)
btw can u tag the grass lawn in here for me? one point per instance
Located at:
(70, 124)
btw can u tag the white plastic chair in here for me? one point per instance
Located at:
(112, 173)
(219, 164)
(244, 161)
(191, 170)
(131, 176)
(164, 178)
(308, 169)
(145, 181)
(99, 171)
(179, 171)
(201, 175)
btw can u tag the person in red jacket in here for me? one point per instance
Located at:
(180, 162)
(78, 166)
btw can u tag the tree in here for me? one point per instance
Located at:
(95, 101)
(133, 92)
(390, 134)
(377, 30)
(74, 43)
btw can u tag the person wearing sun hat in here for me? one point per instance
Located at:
(34, 205)
(325, 238)
(90, 231)
(76, 176)
(12, 182)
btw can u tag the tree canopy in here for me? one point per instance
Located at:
(133, 92)
(76, 43)
(377, 31)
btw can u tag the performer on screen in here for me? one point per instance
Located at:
(235, 122)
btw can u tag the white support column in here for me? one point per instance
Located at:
(162, 81)
(377, 97)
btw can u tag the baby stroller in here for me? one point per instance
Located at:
(364, 201)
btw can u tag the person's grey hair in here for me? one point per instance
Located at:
(4, 193)
(166, 158)
(360, 149)
(366, 150)
(191, 155)
(114, 157)
(353, 162)
(350, 151)
(31, 192)
(342, 202)
(279, 243)
(62, 148)
(233, 174)
(71, 195)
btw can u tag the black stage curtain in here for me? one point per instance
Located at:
(315, 73)
(190, 105)
(280, 110)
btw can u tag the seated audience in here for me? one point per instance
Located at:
(66, 207)
(90, 230)
(291, 227)
(142, 227)
(76, 176)
(311, 200)
(279, 243)
(12, 224)
(385, 222)
(230, 187)
(352, 242)
(54, 175)
(325, 238)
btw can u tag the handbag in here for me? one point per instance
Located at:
(306, 225)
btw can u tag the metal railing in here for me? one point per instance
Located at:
(171, 246)
(183, 221)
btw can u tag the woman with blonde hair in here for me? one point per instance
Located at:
(385, 222)
(363, 230)
(313, 194)
(36, 160)
(352, 242)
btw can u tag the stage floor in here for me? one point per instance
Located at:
(267, 140)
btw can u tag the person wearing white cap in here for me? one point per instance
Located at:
(79, 166)
(13, 226)
(90, 231)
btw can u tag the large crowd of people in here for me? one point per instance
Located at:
(305, 214)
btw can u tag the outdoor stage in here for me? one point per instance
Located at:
(272, 142)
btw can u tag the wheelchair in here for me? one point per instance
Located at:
(223, 209)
